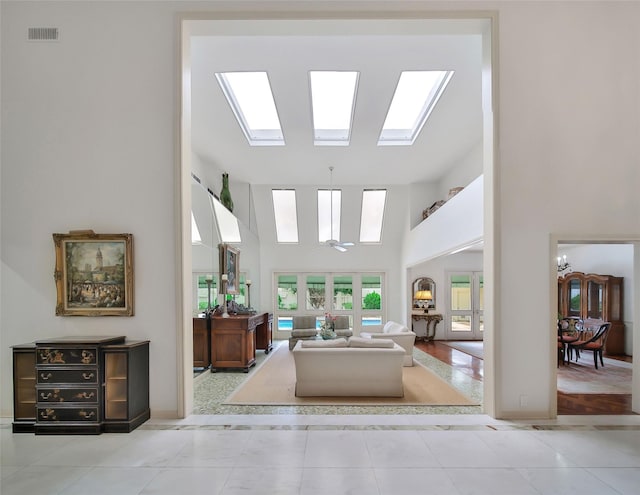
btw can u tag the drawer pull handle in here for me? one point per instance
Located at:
(87, 376)
(45, 376)
(85, 395)
(48, 414)
(44, 396)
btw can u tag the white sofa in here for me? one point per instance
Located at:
(400, 334)
(337, 368)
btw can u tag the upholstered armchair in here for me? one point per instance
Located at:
(303, 328)
(342, 328)
(400, 334)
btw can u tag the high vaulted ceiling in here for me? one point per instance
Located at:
(379, 51)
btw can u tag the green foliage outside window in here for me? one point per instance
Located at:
(371, 301)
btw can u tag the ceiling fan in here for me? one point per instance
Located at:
(335, 244)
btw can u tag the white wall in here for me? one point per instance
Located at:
(457, 223)
(567, 163)
(89, 140)
(468, 168)
(462, 173)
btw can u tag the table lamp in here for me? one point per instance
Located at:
(423, 297)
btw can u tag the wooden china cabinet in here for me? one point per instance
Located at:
(598, 297)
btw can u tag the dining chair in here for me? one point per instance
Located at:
(594, 343)
(568, 331)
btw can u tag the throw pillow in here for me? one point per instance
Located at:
(364, 342)
(324, 343)
(394, 327)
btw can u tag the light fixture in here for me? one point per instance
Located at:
(224, 277)
(563, 264)
(209, 280)
(248, 283)
(329, 228)
(423, 299)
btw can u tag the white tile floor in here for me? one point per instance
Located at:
(332, 455)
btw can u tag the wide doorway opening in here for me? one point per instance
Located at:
(194, 160)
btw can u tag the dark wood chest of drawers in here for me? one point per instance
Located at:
(82, 385)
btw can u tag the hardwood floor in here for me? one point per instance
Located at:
(591, 404)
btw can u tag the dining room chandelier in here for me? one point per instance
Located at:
(563, 264)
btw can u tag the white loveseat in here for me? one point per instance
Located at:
(400, 334)
(337, 368)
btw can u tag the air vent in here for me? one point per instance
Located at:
(43, 34)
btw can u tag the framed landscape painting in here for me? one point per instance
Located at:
(94, 274)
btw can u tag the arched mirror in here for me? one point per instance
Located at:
(424, 294)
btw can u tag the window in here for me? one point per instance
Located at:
(250, 97)
(316, 292)
(333, 96)
(201, 298)
(287, 292)
(284, 210)
(329, 202)
(195, 232)
(415, 98)
(226, 222)
(201, 291)
(373, 202)
(371, 299)
(329, 293)
(287, 295)
(343, 292)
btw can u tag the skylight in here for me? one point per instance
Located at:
(373, 201)
(284, 209)
(195, 232)
(226, 222)
(251, 99)
(333, 99)
(415, 97)
(328, 229)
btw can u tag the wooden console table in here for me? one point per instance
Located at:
(432, 320)
(234, 340)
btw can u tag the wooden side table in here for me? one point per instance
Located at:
(432, 320)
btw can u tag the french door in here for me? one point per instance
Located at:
(465, 306)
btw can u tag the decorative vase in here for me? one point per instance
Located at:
(225, 194)
(328, 333)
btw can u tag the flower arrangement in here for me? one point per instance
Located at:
(327, 329)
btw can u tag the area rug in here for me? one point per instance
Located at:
(273, 383)
(583, 378)
(578, 377)
(474, 348)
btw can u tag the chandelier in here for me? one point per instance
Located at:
(563, 264)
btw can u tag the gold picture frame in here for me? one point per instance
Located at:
(94, 274)
(230, 265)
